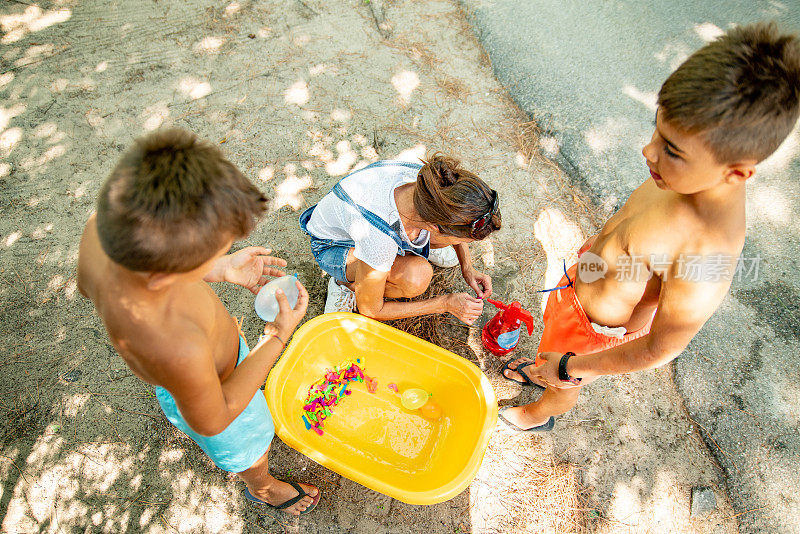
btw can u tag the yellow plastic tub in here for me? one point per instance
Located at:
(371, 438)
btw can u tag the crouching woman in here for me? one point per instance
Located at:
(381, 227)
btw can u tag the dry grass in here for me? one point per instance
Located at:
(216, 21)
(527, 491)
(524, 134)
(524, 137)
(531, 261)
(452, 87)
(443, 138)
(417, 52)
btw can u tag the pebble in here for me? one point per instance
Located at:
(703, 501)
(72, 376)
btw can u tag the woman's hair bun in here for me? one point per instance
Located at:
(445, 169)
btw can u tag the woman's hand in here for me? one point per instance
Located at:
(464, 307)
(288, 318)
(480, 282)
(250, 267)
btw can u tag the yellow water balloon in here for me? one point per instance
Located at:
(414, 398)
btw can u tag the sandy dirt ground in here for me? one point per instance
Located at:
(297, 93)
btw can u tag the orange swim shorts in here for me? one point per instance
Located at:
(567, 328)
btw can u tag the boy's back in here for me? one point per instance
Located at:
(157, 333)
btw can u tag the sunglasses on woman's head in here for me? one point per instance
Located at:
(481, 222)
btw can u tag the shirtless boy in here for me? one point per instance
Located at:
(672, 250)
(166, 217)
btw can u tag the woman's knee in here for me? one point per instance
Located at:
(412, 277)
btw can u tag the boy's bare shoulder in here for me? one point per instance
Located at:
(703, 233)
(156, 341)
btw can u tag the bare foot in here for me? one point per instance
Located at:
(514, 375)
(280, 492)
(520, 416)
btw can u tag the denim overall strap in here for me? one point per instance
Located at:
(371, 218)
(389, 163)
(306, 215)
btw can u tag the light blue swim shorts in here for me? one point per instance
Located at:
(244, 441)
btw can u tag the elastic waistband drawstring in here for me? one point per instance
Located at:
(570, 282)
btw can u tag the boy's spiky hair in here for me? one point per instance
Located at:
(172, 202)
(741, 92)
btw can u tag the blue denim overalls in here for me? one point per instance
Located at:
(318, 245)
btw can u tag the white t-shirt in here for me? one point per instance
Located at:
(373, 189)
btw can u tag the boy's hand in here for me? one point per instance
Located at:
(251, 267)
(481, 283)
(548, 371)
(288, 318)
(464, 306)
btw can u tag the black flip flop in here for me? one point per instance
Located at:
(546, 427)
(301, 493)
(526, 381)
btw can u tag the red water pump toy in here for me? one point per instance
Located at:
(501, 335)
